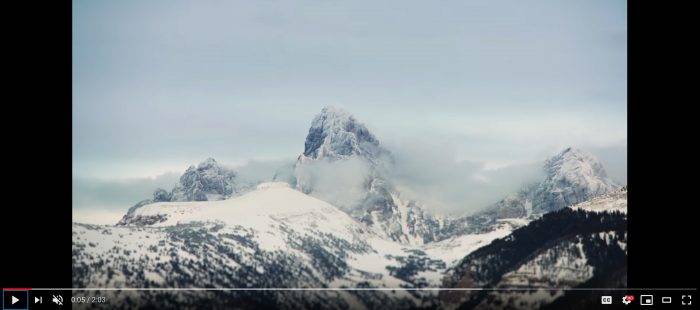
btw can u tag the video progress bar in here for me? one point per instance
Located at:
(358, 289)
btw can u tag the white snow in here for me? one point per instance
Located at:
(269, 214)
(453, 249)
(97, 216)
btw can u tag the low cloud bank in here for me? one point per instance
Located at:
(445, 185)
(116, 194)
(341, 183)
(102, 201)
(425, 172)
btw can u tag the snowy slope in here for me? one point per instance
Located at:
(276, 236)
(273, 236)
(273, 215)
(454, 249)
(205, 182)
(274, 212)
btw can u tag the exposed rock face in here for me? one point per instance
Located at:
(335, 136)
(401, 220)
(573, 176)
(207, 181)
(161, 195)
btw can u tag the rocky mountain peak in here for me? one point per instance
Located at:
(575, 166)
(209, 181)
(570, 177)
(206, 181)
(208, 164)
(336, 134)
(573, 176)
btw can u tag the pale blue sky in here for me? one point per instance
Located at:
(159, 85)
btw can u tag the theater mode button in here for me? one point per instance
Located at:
(14, 299)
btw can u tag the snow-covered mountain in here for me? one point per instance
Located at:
(570, 177)
(270, 225)
(272, 236)
(573, 176)
(214, 230)
(336, 136)
(581, 246)
(207, 181)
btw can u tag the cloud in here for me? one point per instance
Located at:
(432, 169)
(105, 201)
(430, 173)
(100, 200)
(98, 217)
(426, 170)
(117, 194)
(614, 159)
(255, 171)
(341, 183)
(422, 170)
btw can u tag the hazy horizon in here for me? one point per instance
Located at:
(483, 88)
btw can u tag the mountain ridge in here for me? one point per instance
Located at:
(208, 181)
(336, 137)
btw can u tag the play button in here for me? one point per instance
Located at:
(14, 299)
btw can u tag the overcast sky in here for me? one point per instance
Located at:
(159, 85)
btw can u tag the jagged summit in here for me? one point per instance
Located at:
(208, 164)
(576, 163)
(206, 181)
(572, 176)
(336, 134)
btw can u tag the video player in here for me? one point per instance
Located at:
(343, 155)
